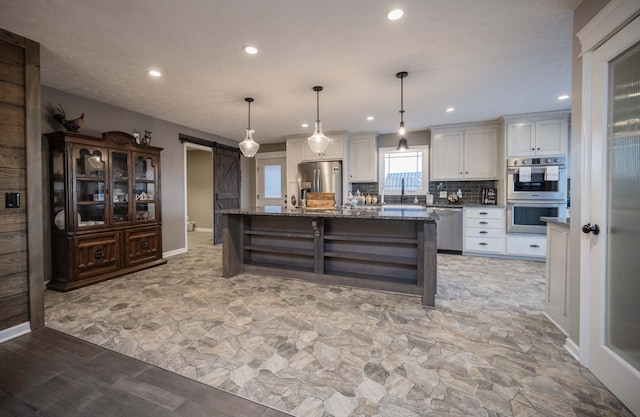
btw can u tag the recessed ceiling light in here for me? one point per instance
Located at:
(155, 73)
(449, 109)
(563, 97)
(370, 117)
(395, 14)
(251, 50)
(305, 125)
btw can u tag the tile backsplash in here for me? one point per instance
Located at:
(471, 191)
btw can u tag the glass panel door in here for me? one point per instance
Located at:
(120, 188)
(271, 183)
(144, 187)
(89, 191)
(622, 326)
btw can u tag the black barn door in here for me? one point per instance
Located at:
(226, 185)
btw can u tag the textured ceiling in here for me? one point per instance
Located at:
(486, 58)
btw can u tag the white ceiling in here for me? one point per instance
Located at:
(486, 58)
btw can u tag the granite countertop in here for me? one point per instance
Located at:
(562, 221)
(370, 212)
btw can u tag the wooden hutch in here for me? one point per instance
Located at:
(105, 207)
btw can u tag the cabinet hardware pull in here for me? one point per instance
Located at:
(483, 244)
(483, 222)
(533, 149)
(98, 254)
(483, 232)
(534, 246)
(484, 213)
(144, 245)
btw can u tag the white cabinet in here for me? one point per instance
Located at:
(334, 151)
(363, 159)
(537, 137)
(556, 301)
(528, 245)
(484, 230)
(464, 153)
(294, 157)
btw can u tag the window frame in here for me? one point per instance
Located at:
(425, 170)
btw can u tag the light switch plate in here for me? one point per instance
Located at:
(443, 194)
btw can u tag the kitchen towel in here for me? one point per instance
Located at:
(524, 174)
(551, 174)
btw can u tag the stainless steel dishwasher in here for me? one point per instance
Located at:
(449, 229)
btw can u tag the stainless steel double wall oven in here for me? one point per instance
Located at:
(537, 187)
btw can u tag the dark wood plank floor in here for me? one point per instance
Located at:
(48, 373)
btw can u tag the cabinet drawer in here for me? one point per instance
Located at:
(525, 245)
(484, 213)
(96, 254)
(142, 245)
(480, 244)
(485, 223)
(483, 232)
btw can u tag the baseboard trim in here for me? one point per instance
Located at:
(203, 229)
(572, 348)
(174, 252)
(15, 331)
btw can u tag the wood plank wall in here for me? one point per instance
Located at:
(17, 99)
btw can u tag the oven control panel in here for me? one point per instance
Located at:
(550, 161)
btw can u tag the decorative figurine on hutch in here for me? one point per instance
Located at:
(147, 137)
(70, 125)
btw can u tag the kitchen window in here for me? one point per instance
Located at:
(410, 166)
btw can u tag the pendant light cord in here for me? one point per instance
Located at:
(402, 99)
(249, 118)
(318, 106)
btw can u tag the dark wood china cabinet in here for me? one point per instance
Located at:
(105, 207)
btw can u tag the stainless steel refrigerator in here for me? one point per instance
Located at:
(320, 177)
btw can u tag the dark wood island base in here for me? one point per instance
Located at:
(392, 250)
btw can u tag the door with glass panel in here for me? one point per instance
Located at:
(271, 182)
(614, 228)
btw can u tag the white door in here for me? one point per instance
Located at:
(614, 270)
(271, 181)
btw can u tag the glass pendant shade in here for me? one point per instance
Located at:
(318, 142)
(402, 145)
(402, 131)
(248, 146)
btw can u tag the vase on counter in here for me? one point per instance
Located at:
(367, 199)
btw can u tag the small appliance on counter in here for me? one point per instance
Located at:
(489, 197)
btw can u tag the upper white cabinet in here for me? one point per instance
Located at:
(464, 152)
(537, 135)
(335, 150)
(363, 160)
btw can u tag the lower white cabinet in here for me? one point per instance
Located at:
(484, 230)
(533, 246)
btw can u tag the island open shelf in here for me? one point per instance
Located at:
(381, 251)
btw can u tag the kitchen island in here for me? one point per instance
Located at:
(380, 249)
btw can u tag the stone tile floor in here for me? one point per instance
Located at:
(321, 351)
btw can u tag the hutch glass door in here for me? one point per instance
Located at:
(120, 187)
(144, 187)
(90, 187)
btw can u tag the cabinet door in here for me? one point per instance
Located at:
(521, 139)
(120, 213)
(145, 187)
(362, 159)
(89, 166)
(142, 245)
(294, 157)
(446, 155)
(481, 154)
(551, 137)
(95, 254)
(334, 150)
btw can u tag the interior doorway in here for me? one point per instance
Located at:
(199, 194)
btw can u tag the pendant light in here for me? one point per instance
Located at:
(402, 143)
(248, 146)
(318, 142)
